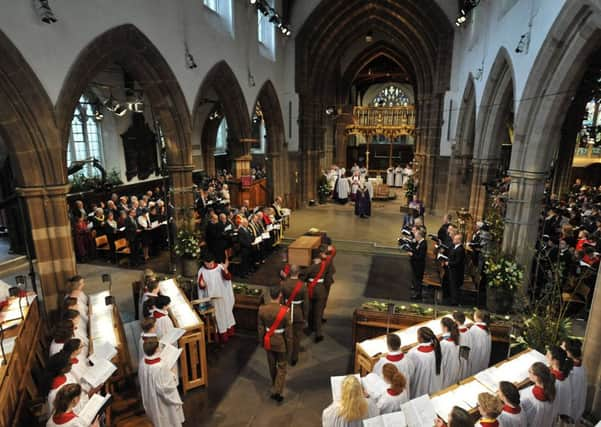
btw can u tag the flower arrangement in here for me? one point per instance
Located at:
(323, 192)
(186, 245)
(410, 190)
(503, 272)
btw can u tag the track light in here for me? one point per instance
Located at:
(369, 37)
(253, 1)
(190, 63)
(44, 11)
(465, 10)
(523, 44)
(331, 110)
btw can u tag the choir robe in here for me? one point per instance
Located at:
(563, 393)
(512, 417)
(78, 367)
(481, 345)
(390, 177)
(424, 379)
(330, 416)
(488, 422)
(68, 419)
(398, 177)
(464, 341)
(389, 402)
(58, 383)
(143, 337)
(577, 380)
(160, 398)
(143, 299)
(55, 347)
(342, 188)
(402, 362)
(539, 412)
(163, 322)
(217, 283)
(450, 366)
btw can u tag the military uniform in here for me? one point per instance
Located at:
(318, 299)
(276, 356)
(299, 312)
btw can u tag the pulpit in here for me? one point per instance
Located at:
(245, 188)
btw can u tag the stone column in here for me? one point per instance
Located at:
(459, 183)
(52, 241)
(182, 193)
(523, 211)
(209, 161)
(483, 171)
(592, 349)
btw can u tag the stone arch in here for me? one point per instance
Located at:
(460, 171)
(420, 32)
(220, 84)
(553, 80)
(28, 128)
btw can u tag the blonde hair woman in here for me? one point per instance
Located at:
(352, 408)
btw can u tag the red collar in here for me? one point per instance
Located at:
(392, 392)
(425, 348)
(58, 381)
(463, 330)
(512, 410)
(482, 326)
(74, 361)
(558, 375)
(59, 341)
(488, 422)
(152, 361)
(539, 393)
(63, 418)
(157, 314)
(577, 363)
(149, 336)
(395, 357)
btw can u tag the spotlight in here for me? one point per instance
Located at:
(523, 44)
(275, 19)
(330, 110)
(369, 37)
(137, 106)
(190, 63)
(98, 115)
(253, 1)
(44, 11)
(120, 110)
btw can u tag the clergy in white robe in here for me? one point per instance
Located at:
(449, 347)
(158, 385)
(398, 176)
(577, 378)
(161, 315)
(395, 356)
(342, 186)
(427, 360)
(512, 414)
(407, 174)
(480, 341)
(390, 177)
(355, 182)
(352, 409)
(539, 401)
(215, 282)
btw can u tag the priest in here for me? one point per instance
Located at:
(215, 282)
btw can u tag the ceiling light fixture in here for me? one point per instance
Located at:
(44, 11)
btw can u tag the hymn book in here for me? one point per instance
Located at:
(104, 350)
(419, 412)
(95, 406)
(374, 385)
(97, 375)
(172, 336)
(394, 419)
(336, 383)
(169, 355)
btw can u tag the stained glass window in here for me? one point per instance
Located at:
(221, 143)
(86, 137)
(391, 96)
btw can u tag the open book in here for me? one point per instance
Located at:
(374, 385)
(98, 374)
(95, 405)
(419, 412)
(336, 383)
(169, 355)
(104, 350)
(172, 336)
(394, 419)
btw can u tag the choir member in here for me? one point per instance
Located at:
(149, 330)
(427, 359)
(449, 347)
(512, 414)
(352, 408)
(390, 177)
(78, 331)
(61, 332)
(63, 415)
(458, 417)
(151, 289)
(161, 314)
(396, 393)
(215, 282)
(158, 385)
(456, 268)
(465, 344)
(59, 369)
(398, 176)
(573, 348)
(480, 342)
(395, 356)
(71, 303)
(561, 366)
(538, 401)
(489, 407)
(73, 349)
(75, 289)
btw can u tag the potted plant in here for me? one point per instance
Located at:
(410, 191)
(187, 248)
(503, 277)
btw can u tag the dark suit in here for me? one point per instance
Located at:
(418, 265)
(245, 240)
(456, 271)
(131, 234)
(216, 241)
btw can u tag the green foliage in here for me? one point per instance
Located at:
(242, 289)
(410, 191)
(502, 271)
(540, 331)
(186, 244)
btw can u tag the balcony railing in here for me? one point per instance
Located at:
(585, 156)
(389, 121)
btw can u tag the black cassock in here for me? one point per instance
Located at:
(362, 203)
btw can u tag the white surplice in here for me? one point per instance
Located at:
(55, 347)
(424, 379)
(398, 176)
(464, 341)
(563, 394)
(402, 362)
(330, 416)
(58, 383)
(343, 187)
(538, 412)
(218, 285)
(577, 380)
(450, 366)
(74, 422)
(388, 403)
(163, 321)
(161, 400)
(390, 177)
(481, 346)
(144, 336)
(512, 417)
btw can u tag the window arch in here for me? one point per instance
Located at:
(391, 96)
(85, 141)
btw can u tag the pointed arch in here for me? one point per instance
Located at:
(128, 47)
(466, 122)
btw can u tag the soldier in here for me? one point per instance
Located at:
(275, 332)
(318, 294)
(297, 298)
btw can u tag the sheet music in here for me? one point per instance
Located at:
(228, 227)
(374, 385)
(99, 373)
(104, 350)
(419, 412)
(169, 355)
(265, 235)
(468, 393)
(90, 411)
(172, 336)
(488, 379)
(373, 346)
(394, 419)
(257, 240)
(269, 227)
(336, 383)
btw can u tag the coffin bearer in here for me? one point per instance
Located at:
(297, 298)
